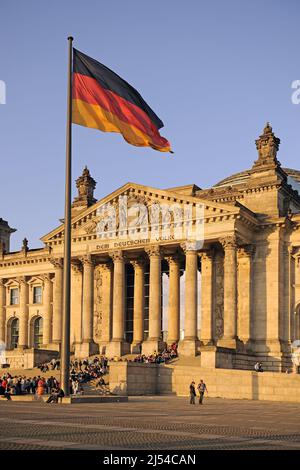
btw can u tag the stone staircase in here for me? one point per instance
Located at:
(90, 388)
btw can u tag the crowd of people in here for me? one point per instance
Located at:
(81, 371)
(20, 385)
(158, 358)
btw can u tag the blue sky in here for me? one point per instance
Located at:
(213, 71)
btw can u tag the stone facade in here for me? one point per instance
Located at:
(135, 282)
(129, 379)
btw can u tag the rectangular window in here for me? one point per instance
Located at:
(14, 296)
(37, 295)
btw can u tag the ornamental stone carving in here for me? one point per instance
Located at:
(206, 255)
(57, 262)
(76, 266)
(117, 255)
(22, 280)
(188, 246)
(138, 263)
(247, 250)
(229, 243)
(154, 251)
(87, 260)
(219, 295)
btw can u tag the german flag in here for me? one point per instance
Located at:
(103, 100)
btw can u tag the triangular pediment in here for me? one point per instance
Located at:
(85, 223)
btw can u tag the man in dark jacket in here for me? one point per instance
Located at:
(192, 393)
(201, 388)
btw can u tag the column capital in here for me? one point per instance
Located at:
(174, 259)
(87, 260)
(2, 282)
(247, 251)
(154, 251)
(138, 263)
(229, 243)
(206, 255)
(76, 265)
(117, 255)
(189, 247)
(57, 262)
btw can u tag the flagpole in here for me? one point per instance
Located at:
(65, 344)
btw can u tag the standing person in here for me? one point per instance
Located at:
(41, 387)
(192, 393)
(202, 389)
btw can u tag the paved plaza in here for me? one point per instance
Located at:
(151, 423)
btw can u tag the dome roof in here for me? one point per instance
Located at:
(243, 176)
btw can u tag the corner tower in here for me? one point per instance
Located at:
(268, 178)
(5, 233)
(85, 185)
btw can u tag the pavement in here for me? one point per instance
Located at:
(151, 423)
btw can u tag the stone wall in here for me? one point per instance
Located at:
(29, 358)
(133, 378)
(149, 379)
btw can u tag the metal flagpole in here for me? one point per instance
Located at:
(65, 343)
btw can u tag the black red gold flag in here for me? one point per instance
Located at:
(103, 100)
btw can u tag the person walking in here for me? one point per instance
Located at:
(192, 393)
(201, 389)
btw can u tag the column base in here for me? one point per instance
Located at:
(208, 356)
(217, 357)
(207, 342)
(54, 346)
(188, 347)
(150, 346)
(86, 349)
(274, 347)
(136, 347)
(117, 348)
(228, 343)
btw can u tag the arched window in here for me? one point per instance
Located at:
(38, 333)
(14, 335)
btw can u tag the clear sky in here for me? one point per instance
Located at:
(213, 71)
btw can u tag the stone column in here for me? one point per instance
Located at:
(57, 302)
(294, 290)
(154, 341)
(188, 346)
(76, 306)
(24, 313)
(245, 295)
(230, 293)
(274, 287)
(88, 346)
(138, 305)
(207, 305)
(105, 305)
(174, 299)
(2, 310)
(47, 310)
(118, 346)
